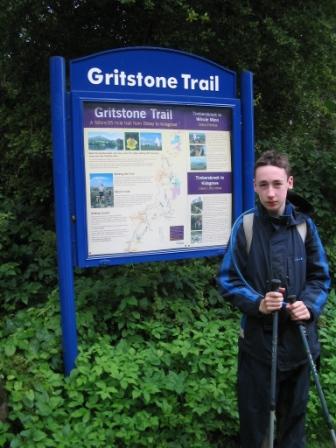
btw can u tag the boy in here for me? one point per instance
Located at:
(279, 251)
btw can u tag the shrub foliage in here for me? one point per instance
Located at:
(154, 369)
(157, 344)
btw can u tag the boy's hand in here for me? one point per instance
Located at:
(272, 301)
(298, 311)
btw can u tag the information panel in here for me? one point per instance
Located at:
(156, 177)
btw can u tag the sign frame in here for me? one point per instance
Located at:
(81, 243)
(67, 127)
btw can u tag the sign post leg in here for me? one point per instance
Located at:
(62, 211)
(248, 138)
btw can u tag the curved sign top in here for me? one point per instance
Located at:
(150, 70)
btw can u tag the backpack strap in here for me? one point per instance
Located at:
(248, 230)
(302, 229)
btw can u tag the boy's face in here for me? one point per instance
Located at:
(271, 184)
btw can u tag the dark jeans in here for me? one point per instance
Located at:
(254, 403)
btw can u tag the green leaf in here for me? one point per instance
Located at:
(10, 349)
(39, 435)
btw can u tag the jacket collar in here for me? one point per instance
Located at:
(290, 217)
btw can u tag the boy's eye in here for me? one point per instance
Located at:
(274, 184)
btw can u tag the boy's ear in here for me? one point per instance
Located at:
(290, 182)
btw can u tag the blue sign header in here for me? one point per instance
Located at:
(148, 70)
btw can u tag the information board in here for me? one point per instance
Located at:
(157, 177)
(152, 160)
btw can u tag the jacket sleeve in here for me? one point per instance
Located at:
(231, 281)
(317, 286)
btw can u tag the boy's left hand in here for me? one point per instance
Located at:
(298, 311)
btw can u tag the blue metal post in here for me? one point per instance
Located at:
(237, 159)
(248, 139)
(62, 211)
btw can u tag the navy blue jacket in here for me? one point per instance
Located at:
(277, 251)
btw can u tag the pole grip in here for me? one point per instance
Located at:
(291, 299)
(275, 284)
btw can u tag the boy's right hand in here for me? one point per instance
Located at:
(272, 301)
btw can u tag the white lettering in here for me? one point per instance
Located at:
(203, 84)
(162, 114)
(108, 78)
(131, 80)
(207, 84)
(186, 79)
(172, 82)
(111, 112)
(149, 81)
(95, 76)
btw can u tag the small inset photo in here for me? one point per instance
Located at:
(101, 190)
(196, 236)
(132, 141)
(197, 150)
(196, 222)
(196, 206)
(198, 163)
(197, 138)
(150, 141)
(106, 141)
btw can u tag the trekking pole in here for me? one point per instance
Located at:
(275, 284)
(303, 332)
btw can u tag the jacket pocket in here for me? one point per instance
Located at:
(296, 274)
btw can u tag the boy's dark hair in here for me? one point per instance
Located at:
(274, 158)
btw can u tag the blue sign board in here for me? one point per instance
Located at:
(153, 159)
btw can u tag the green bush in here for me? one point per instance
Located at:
(164, 377)
(27, 258)
(327, 373)
(156, 389)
